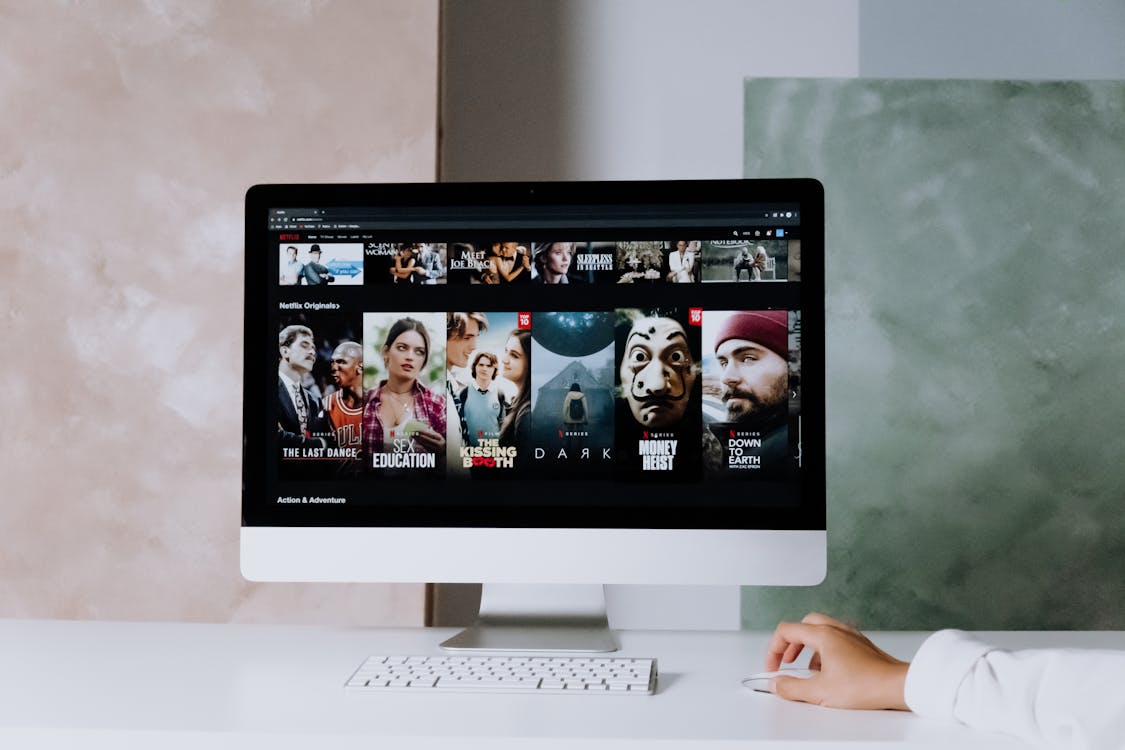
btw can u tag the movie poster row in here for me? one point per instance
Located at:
(648, 262)
(632, 394)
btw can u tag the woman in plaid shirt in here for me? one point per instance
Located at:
(404, 422)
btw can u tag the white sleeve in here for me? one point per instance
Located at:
(1066, 698)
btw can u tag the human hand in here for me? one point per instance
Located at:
(852, 671)
(430, 440)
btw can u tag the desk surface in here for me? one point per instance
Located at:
(122, 685)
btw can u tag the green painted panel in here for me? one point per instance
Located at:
(976, 347)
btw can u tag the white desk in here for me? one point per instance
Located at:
(165, 685)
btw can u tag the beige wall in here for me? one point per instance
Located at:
(129, 132)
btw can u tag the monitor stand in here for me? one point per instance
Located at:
(548, 617)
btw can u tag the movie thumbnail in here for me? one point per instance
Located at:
(681, 261)
(639, 262)
(572, 262)
(319, 396)
(404, 412)
(407, 263)
(572, 394)
(489, 387)
(490, 263)
(746, 393)
(659, 392)
(314, 264)
(743, 260)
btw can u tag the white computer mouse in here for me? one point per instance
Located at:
(760, 682)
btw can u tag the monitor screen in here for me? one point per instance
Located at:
(621, 355)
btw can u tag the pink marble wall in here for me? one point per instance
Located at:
(130, 131)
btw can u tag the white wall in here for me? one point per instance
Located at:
(129, 134)
(993, 39)
(621, 89)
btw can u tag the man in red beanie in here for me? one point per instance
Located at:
(752, 353)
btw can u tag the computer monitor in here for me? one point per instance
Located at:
(535, 383)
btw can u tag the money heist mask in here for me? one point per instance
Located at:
(657, 372)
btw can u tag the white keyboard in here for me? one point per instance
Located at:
(506, 674)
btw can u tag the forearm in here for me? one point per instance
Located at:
(1068, 698)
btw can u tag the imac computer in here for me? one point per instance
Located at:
(538, 386)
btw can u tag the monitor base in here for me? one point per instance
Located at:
(550, 618)
(551, 638)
